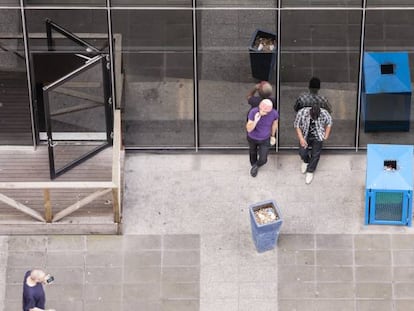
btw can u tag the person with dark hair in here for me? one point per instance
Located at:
(313, 126)
(261, 129)
(34, 298)
(309, 98)
(262, 90)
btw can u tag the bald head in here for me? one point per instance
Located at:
(37, 276)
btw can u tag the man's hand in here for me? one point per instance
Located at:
(257, 117)
(272, 140)
(303, 143)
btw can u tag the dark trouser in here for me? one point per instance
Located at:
(258, 150)
(311, 154)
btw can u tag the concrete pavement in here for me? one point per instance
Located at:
(187, 244)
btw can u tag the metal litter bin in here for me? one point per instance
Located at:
(265, 233)
(389, 185)
(262, 57)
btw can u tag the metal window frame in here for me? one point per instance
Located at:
(194, 9)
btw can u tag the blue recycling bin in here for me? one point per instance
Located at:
(389, 185)
(386, 91)
(265, 235)
(262, 61)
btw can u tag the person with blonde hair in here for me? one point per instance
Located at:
(261, 126)
(34, 298)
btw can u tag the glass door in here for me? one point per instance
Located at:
(78, 114)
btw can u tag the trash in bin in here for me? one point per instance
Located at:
(266, 221)
(262, 54)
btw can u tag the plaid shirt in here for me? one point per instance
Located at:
(303, 118)
(307, 99)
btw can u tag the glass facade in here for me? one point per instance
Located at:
(181, 69)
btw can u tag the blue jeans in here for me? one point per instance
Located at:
(311, 154)
(258, 151)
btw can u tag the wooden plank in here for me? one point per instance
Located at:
(56, 185)
(116, 205)
(80, 203)
(116, 166)
(33, 165)
(116, 148)
(48, 205)
(21, 207)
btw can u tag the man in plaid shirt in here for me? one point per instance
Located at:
(311, 97)
(313, 126)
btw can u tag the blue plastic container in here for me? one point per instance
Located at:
(389, 185)
(265, 236)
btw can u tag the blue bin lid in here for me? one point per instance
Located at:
(386, 72)
(380, 178)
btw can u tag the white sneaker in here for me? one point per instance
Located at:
(308, 178)
(303, 167)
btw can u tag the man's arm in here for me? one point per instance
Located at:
(253, 91)
(302, 140)
(274, 127)
(327, 132)
(251, 124)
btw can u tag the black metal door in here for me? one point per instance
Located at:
(75, 86)
(78, 122)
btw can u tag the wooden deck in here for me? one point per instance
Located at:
(84, 200)
(32, 166)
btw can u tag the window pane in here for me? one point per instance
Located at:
(67, 55)
(153, 3)
(225, 75)
(158, 77)
(65, 3)
(388, 31)
(324, 44)
(387, 3)
(11, 2)
(237, 3)
(321, 3)
(15, 119)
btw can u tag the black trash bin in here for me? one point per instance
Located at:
(262, 57)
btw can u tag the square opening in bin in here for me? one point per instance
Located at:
(265, 214)
(390, 165)
(387, 69)
(264, 42)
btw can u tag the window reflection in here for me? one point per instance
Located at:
(386, 3)
(157, 69)
(321, 3)
(389, 31)
(65, 3)
(324, 44)
(225, 74)
(15, 117)
(153, 3)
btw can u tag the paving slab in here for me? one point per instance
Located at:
(187, 244)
